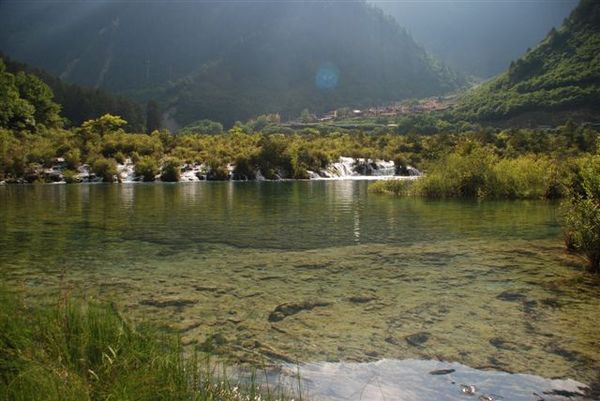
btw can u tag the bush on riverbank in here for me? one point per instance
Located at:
(147, 168)
(582, 213)
(87, 351)
(24, 155)
(171, 170)
(475, 171)
(394, 187)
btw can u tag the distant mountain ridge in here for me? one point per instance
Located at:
(558, 78)
(227, 61)
(478, 37)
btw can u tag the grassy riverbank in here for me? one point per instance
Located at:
(88, 351)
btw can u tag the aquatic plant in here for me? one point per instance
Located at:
(87, 351)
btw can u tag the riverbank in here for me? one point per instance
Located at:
(78, 350)
(100, 150)
(344, 168)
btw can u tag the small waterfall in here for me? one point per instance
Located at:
(260, 176)
(85, 175)
(192, 172)
(312, 175)
(361, 168)
(126, 171)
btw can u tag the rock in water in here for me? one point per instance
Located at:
(284, 310)
(418, 339)
(440, 372)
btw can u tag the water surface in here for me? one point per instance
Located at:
(316, 271)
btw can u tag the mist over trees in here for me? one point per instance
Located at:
(227, 61)
(478, 38)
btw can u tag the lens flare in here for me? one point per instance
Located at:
(327, 77)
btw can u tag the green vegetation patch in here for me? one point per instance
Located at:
(87, 351)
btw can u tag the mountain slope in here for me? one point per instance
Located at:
(478, 37)
(78, 103)
(224, 60)
(561, 75)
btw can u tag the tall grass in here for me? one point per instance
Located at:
(395, 187)
(87, 351)
(582, 212)
(477, 172)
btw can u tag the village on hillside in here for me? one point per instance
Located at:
(405, 108)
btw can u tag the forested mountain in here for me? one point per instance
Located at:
(559, 77)
(79, 103)
(226, 61)
(478, 37)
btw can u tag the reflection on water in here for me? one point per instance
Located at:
(315, 271)
(418, 380)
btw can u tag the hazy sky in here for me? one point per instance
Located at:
(480, 37)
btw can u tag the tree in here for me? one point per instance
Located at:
(40, 96)
(15, 112)
(153, 118)
(103, 125)
(206, 127)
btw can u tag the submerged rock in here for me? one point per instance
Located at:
(392, 340)
(468, 389)
(362, 299)
(179, 303)
(440, 372)
(284, 310)
(418, 339)
(510, 296)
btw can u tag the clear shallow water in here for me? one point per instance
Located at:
(315, 271)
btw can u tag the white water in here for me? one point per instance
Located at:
(126, 171)
(346, 168)
(192, 172)
(349, 168)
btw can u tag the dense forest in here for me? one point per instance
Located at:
(227, 62)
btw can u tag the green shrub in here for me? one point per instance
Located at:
(147, 168)
(527, 177)
(217, 171)
(582, 213)
(582, 229)
(273, 157)
(73, 158)
(466, 173)
(171, 170)
(120, 157)
(70, 176)
(245, 168)
(105, 168)
(395, 187)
